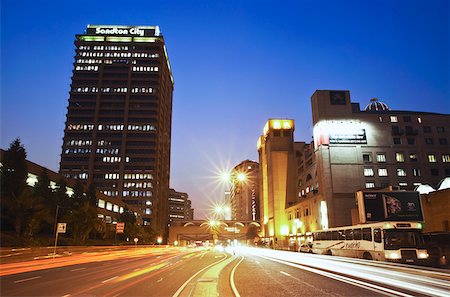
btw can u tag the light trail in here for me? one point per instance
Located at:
(26, 279)
(398, 276)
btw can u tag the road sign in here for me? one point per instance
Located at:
(62, 227)
(120, 227)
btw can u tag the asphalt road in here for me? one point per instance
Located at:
(181, 272)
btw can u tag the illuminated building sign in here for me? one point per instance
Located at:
(357, 136)
(339, 132)
(122, 31)
(389, 206)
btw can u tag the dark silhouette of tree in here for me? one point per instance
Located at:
(15, 196)
(14, 170)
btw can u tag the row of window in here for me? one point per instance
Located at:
(79, 142)
(412, 141)
(90, 127)
(145, 68)
(87, 68)
(352, 234)
(137, 193)
(138, 185)
(400, 157)
(384, 172)
(109, 206)
(111, 90)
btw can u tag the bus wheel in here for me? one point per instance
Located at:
(329, 253)
(367, 256)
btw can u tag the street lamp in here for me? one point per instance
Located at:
(159, 240)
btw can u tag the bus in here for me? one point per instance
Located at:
(384, 241)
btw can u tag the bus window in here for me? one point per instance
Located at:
(328, 235)
(341, 235)
(396, 239)
(335, 235)
(377, 235)
(349, 234)
(357, 234)
(367, 234)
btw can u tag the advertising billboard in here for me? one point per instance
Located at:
(377, 206)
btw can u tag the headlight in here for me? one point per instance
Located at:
(393, 255)
(422, 254)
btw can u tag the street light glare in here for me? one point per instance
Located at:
(241, 176)
(225, 176)
(218, 209)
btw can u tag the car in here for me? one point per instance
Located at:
(305, 247)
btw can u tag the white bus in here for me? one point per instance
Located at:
(383, 241)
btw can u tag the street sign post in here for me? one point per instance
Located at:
(61, 228)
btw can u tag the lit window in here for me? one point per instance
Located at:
(148, 211)
(101, 203)
(148, 202)
(416, 171)
(121, 209)
(370, 185)
(446, 158)
(380, 119)
(116, 208)
(401, 172)
(413, 157)
(399, 157)
(381, 158)
(382, 172)
(419, 120)
(368, 172)
(403, 184)
(109, 206)
(432, 158)
(394, 119)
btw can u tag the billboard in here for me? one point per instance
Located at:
(377, 206)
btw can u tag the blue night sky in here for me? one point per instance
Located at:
(235, 64)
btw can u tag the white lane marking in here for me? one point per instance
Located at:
(285, 273)
(233, 286)
(109, 279)
(67, 295)
(26, 279)
(78, 269)
(180, 289)
(159, 280)
(348, 280)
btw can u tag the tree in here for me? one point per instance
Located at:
(15, 197)
(14, 170)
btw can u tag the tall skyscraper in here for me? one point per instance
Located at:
(118, 127)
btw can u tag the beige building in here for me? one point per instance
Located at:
(277, 178)
(436, 211)
(353, 149)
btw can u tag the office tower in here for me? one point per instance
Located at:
(179, 206)
(118, 128)
(244, 194)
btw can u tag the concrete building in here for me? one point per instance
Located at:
(179, 206)
(353, 149)
(244, 193)
(278, 174)
(118, 129)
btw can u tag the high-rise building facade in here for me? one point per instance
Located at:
(180, 206)
(118, 128)
(244, 194)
